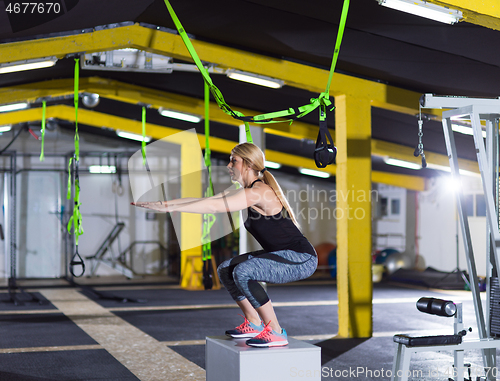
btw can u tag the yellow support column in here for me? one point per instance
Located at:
(354, 277)
(191, 229)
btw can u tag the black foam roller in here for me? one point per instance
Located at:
(438, 307)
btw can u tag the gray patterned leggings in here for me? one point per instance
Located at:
(241, 275)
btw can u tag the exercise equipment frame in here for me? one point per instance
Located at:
(475, 109)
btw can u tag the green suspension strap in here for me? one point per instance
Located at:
(75, 101)
(208, 219)
(44, 111)
(143, 143)
(76, 219)
(289, 115)
(325, 151)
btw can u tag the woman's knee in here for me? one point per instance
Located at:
(240, 274)
(224, 265)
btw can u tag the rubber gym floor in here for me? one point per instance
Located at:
(157, 332)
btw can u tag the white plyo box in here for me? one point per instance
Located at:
(229, 359)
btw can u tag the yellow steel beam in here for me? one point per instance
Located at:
(481, 12)
(136, 94)
(156, 41)
(97, 119)
(354, 278)
(125, 92)
(409, 182)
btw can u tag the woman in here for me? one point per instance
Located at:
(286, 256)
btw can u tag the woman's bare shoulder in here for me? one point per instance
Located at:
(267, 201)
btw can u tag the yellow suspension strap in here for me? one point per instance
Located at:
(324, 149)
(76, 218)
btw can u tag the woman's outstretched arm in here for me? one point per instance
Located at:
(184, 200)
(223, 202)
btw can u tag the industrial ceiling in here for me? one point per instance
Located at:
(406, 54)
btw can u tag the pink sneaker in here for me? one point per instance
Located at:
(245, 330)
(269, 338)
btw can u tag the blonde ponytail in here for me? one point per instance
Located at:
(254, 159)
(271, 181)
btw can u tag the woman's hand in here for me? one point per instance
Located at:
(160, 206)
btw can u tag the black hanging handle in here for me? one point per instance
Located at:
(325, 152)
(76, 261)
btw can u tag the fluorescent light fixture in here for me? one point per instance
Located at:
(312, 172)
(272, 165)
(424, 9)
(13, 107)
(466, 130)
(402, 163)
(255, 79)
(132, 136)
(469, 173)
(5, 128)
(445, 168)
(102, 169)
(12, 67)
(179, 115)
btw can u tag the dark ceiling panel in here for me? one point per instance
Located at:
(403, 129)
(85, 14)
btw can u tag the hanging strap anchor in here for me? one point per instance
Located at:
(419, 150)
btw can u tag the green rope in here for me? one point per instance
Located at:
(340, 35)
(208, 219)
(76, 219)
(207, 135)
(68, 195)
(75, 99)
(143, 143)
(291, 114)
(44, 110)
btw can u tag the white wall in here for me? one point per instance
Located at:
(40, 232)
(438, 223)
(390, 230)
(41, 226)
(313, 202)
(477, 227)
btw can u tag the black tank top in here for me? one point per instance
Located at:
(277, 232)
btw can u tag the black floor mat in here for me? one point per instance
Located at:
(85, 365)
(22, 301)
(40, 330)
(431, 278)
